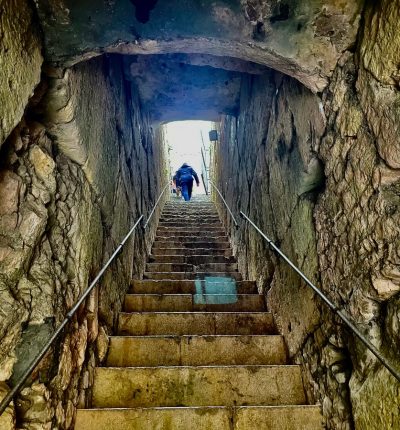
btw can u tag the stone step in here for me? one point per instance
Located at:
(194, 302)
(192, 230)
(191, 259)
(190, 245)
(192, 323)
(190, 223)
(202, 418)
(225, 286)
(149, 351)
(187, 251)
(193, 206)
(175, 218)
(184, 240)
(201, 267)
(190, 275)
(204, 234)
(132, 387)
(171, 215)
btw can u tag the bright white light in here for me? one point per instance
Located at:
(184, 140)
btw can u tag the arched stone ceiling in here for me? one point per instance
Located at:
(301, 38)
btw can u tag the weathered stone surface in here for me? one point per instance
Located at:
(7, 419)
(198, 386)
(20, 61)
(265, 166)
(355, 222)
(195, 350)
(300, 38)
(61, 215)
(204, 418)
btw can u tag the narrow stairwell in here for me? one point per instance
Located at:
(196, 348)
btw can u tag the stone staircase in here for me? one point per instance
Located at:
(196, 348)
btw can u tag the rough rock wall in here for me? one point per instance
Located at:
(266, 166)
(358, 216)
(20, 61)
(341, 227)
(75, 174)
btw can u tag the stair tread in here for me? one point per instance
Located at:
(198, 385)
(195, 346)
(142, 323)
(198, 350)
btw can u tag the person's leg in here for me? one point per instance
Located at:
(190, 189)
(185, 191)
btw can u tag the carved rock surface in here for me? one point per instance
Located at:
(72, 183)
(344, 232)
(301, 38)
(20, 61)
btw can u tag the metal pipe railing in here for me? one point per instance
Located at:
(226, 204)
(155, 205)
(21, 381)
(326, 300)
(336, 310)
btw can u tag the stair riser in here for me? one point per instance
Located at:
(190, 303)
(205, 267)
(218, 418)
(197, 386)
(189, 287)
(190, 275)
(193, 218)
(216, 231)
(195, 251)
(191, 245)
(197, 240)
(191, 259)
(173, 222)
(142, 324)
(196, 351)
(202, 236)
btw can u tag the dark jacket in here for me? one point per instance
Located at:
(186, 174)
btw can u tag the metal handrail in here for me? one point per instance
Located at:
(340, 313)
(7, 399)
(331, 305)
(226, 204)
(154, 207)
(15, 390)
(204, 167)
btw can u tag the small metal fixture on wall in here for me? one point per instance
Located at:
(213, 135)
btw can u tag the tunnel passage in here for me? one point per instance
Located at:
(305, 100)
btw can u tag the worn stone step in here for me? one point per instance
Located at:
(190, 259)
(191, 229)
(191, 323)
(195, 218)
(149, 351)
(205, 234)
(197, 386)
(190, 245)
(219, 286)
(193, 302)
(290, 417)
(190, 275)
(190, 223)
(184, 267)
(191, 239)
(173, 217)
(194, 251)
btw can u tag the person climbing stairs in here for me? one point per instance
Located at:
(196, 347)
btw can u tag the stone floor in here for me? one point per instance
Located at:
(196, 347)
